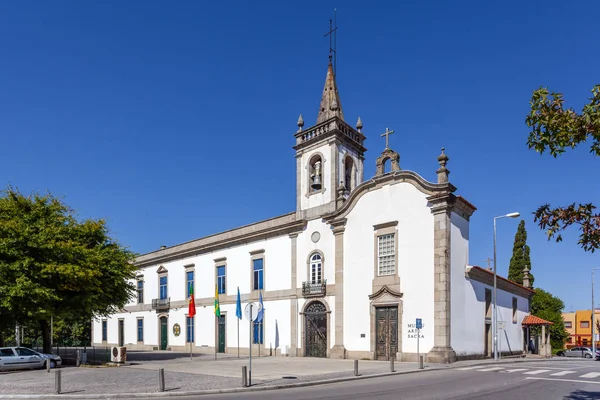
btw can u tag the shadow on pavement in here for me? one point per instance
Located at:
(583, 395)
(134, 356)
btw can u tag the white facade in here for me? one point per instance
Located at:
(346, 275)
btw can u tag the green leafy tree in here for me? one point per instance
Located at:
(520, 258)
(549, 307)
(554, 129)
(51, 264)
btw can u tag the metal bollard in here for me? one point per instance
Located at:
(57, 382)
(78, 361)
(420, 362)
(392, 364)
(355, 367)
(161, 379)
(48, 366)
(244, 376)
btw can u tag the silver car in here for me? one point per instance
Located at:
(24, 358)
(584, 352)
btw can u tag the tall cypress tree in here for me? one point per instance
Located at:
(520, 257)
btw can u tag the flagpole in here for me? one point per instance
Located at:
(238, 326)
(216, 334)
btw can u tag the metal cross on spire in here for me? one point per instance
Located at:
(333, 35)
(387, 137)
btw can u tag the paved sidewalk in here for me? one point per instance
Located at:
(202, 374)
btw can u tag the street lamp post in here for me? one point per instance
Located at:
(495, 315)
(593, 326)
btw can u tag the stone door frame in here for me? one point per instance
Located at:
(385, 297)
(303, 325)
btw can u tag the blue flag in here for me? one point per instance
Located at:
(238, 305)
(261, 309)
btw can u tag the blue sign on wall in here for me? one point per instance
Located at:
(419, 323)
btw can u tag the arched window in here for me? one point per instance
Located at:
(316, 268)
(349, 173)
(315, 181)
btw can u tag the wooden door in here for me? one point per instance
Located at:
(488, 340)
(163, 333)
(222, 334)
(386, 323)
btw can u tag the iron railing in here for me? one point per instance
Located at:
(161, 304)
(314, 289)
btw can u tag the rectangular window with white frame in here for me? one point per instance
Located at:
(386, 254)
(140, 330)
(189, 278)
(189, 329)
(140, 291)
(257, 270)
(104, 330)
(257, 331)
(163, 287)
(221, 279)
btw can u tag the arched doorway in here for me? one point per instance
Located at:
(315, 328)
(164, 333)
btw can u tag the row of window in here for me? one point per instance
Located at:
(386, 265)
(258, 281)
(582, 324)
(257, 330)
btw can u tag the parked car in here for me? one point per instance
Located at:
(24, 358)
(584, 352)
(597, 355)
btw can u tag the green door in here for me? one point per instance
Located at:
(222, 334)
(163, 333)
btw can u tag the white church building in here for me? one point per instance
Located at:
(345, 275)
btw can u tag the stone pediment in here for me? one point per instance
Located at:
(385, 295)
(161, 270)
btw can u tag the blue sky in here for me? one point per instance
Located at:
(165, 117)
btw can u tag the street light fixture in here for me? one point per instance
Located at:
(593, 327)
(495, 316)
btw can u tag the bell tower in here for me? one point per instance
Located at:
(329, 155)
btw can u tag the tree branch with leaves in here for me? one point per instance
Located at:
(555, 129)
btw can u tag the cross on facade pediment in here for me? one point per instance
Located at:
(387, 137)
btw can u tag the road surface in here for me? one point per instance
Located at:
(572, 380)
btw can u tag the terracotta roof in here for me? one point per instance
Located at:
(501, 278)
(533, 320)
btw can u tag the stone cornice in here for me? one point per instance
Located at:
(464, 208)
(278, 226)
(378, 182)
(442, 202)
(339, 226)
(334, 127)
(487, 277)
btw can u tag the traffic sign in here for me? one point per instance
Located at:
(419, 323)
(251, 311)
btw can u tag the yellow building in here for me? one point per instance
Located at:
(579, 326)
(569, 320)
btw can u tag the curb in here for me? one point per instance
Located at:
(253, 388)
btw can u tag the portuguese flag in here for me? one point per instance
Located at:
(191, 303)
(217, 308)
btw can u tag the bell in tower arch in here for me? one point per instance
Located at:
(316, 176)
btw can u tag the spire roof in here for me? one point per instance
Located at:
(330, 101)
